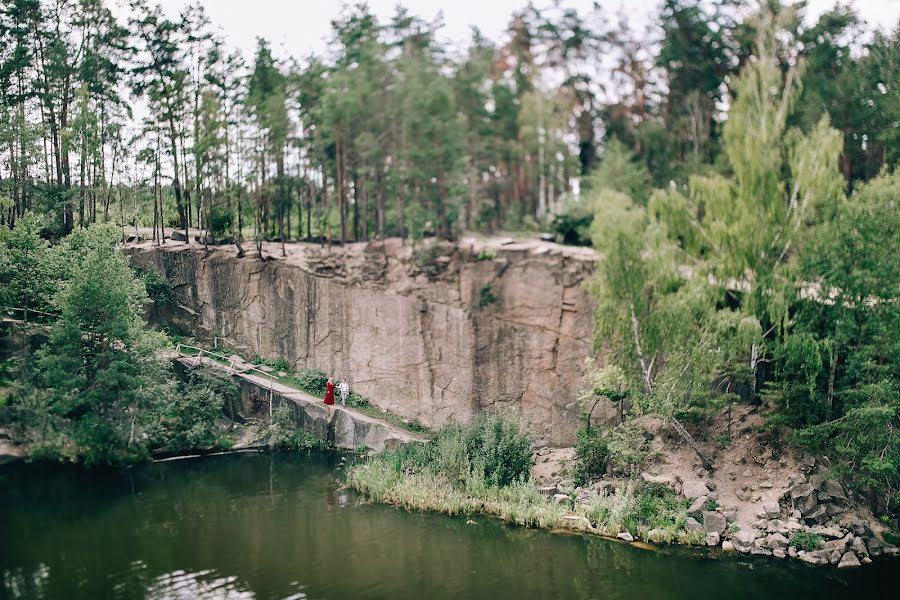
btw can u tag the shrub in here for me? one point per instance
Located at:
(486, 254)
(312, 380)
(187, 420)
(591, 452)
(494, 450)
(804, 540)
(159, 288)
(629, 449)
(284, 434)
(425, 259)
(486, 296)
(656, 506)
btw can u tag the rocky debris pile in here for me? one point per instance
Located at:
(814, 520)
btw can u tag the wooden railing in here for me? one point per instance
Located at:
(26, 311)
(231, 365)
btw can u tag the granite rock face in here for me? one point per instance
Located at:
(472, 326)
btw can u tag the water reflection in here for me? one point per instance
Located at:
(279, 526)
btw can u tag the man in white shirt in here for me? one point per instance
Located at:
(345, 391)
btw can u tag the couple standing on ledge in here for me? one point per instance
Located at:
(343, 388)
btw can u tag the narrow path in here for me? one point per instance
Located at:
(304, 399)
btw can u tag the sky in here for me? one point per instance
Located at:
(300, 27)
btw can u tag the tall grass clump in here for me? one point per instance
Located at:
(484, 468)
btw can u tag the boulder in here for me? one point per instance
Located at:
(817, 557)
(694, 488)
(656, 535)
(745, 536)
(668, 480)
(744, 539)
(890, 550)
(728, 546)
(778, 553)
(776, 541)
(874, 546)
(772, 510)
(714, 522)
(760, 551)
(547, 490)
(566, 485)
(178, 236)
(834, 489)
(849, 560)
(800, 490)
(730, 511)
(584, 497)
(697, 506)
(577, 522)
(840, 545)
(829, 532)
(560, 498)
(835, 557)
(694, 526)
(859, 548)
(625, 536)
(712, 539)
(816, 517)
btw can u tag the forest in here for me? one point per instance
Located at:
(734, 166)
(144, 118)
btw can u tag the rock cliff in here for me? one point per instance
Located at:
(435, 334)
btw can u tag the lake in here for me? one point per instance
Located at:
(281, 526)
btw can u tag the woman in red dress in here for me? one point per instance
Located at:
(329, 392)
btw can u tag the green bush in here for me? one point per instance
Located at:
(804, 540)
(188, 419)
(629, 449)
(425, 259)
(312, 380)
(284, 434)
(159, 288)
(591, 453)
(656, 506)
(493, 450)
(573, 227)
(486, 296)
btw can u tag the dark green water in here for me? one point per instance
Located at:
(278, 526)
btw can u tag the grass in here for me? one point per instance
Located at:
(457, 474)
(804, 540)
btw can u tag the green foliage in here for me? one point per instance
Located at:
(592, 454)
(656, 506)
(492, 450)
(27, 274)
(804, 540)
(486, 296)
(629, 449)
(426, 260)
(158, 286)
(312, 380)
(188, 419)
(279, 364)
(620, 451)
(487, 254)
(284, 434)
(573, 225)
